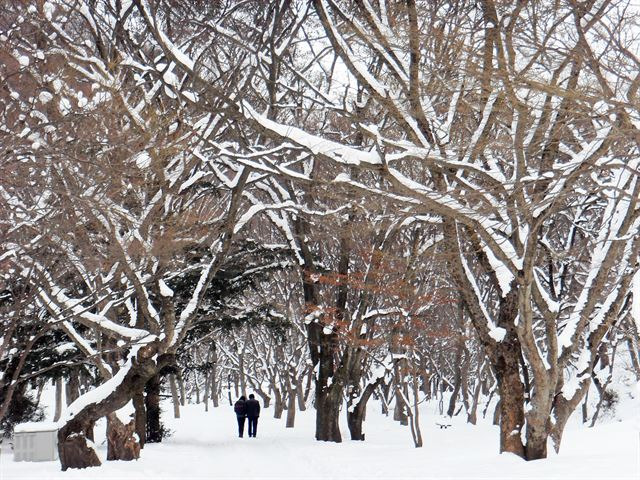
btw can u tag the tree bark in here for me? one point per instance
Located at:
(174, 395)
(183, 394)
(328, 401)
(58, 410)
(356, 413)
(152, 404)
(278, 406)
(121, 441)
(291, 409)
(511, 393)
(140, 417)
(72, 387)
(73, 448)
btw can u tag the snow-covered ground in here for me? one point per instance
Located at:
(204, 445)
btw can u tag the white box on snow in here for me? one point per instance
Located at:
(35, 442)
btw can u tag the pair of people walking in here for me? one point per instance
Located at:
(250, 410)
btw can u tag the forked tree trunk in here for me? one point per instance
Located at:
(73, 447)
(121, 439)
(356, 413)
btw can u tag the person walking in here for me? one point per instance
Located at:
(253, 412)
(240, 408)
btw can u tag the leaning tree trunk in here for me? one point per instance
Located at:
(291, 409)
(356, 411)
(73, 447)
(278, 406)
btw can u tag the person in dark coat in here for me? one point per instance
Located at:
(240, 408)
(253, 412)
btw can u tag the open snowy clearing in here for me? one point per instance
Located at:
(204, 445)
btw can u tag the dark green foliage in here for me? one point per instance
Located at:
(23, 408)
(248, 264)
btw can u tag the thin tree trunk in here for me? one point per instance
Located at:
(299, 393)
(278, 406)
(183, 393)
(174, 395)
(291, 409)
(58, 382)
(213, 379)
(196, 387)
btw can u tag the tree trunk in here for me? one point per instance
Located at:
(75, 452)
(307, 388)
(472, 416)
(328, 401)
(121, 441)
(174, 395)
(356, 413)
(496, 413)
(291, 409)
(207, 392)
(278, 407)
(73, 447)
(384, 397)
(399, 413)
(511, 393)
(196, 388)
(58, 410)
(140, 417)
(457, 379)
(183, 393)
(300, 395)
(72, 387)
(213, 377)
(214, 390)
(152, 404)
(266, 399)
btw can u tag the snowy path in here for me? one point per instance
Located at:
(204, 445)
